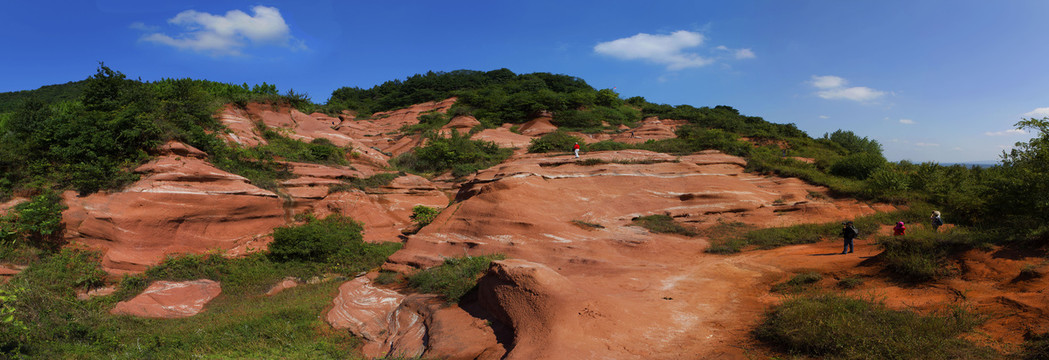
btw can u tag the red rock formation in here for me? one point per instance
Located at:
(166, 299)
(538, 127)
(646, 295)
(503, 137)
(182, 204)
(462, 124)
(397, 325)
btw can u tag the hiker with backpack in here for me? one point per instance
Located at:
(936, 220)
(848, 233)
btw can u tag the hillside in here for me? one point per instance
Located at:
(676, 233)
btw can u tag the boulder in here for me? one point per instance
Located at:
(168, 299)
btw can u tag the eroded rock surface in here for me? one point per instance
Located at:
(415, 325)
(182, 204)
(617, 290)
(167, 299)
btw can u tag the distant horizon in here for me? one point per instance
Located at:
(930, 81)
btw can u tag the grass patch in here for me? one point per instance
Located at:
(837, 327)
(798, 283)
(663, 224)
(48, 321)
(456, 153)
(769, 238)
(922, 256)
(454, 278)
(849, 283)
(587, 225)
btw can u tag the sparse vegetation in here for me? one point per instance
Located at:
(454, 278)
(798, 283)
(837, 327)
(587, 225)
(374, 181)
(663, 224)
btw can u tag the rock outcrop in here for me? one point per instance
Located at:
(408, 326)
(182, 204)
(167, 300)
(632, 293)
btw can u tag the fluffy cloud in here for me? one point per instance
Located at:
(923, 144)
(907, 121)
(744, 54)
(1006, 132)
(1038, 113)
(833, 88)
(660, 49)
(227, 34)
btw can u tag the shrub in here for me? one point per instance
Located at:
(38, 222)
(424, 215)
(832, 326)
(663, 224)
(858, 166)
(557, 141)
(587, 225)
(849, 283)
(454, 278)
(456, 153)
(316, 240)
(922, 256)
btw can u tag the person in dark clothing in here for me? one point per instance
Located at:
(936, 220)
(848, 233)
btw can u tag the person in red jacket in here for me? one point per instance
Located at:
(899, 229)
(576, 149)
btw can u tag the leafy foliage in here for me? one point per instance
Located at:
(424, 215)
(456, 153)
(663, 224)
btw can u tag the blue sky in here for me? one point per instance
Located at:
(936, 81)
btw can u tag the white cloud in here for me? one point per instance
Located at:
(1038, 113)
(1006, 132)
(907, 121)
(922, 144)
(859, 93)
(660, 49)
(956, 149)
(828, 82)
(833, 88)
(824, 117)
(228, 34)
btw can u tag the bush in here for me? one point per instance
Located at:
(315, 241)
(557, 141)
(858, 166)
(456, 153)
(832, 326)
(36, 223)
(424, 215)
(454, 278)
(923, 256)
(373, 181)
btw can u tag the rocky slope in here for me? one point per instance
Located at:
(580, 281)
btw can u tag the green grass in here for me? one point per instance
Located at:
(663, 224)
(850, 283)
(836, 327)
(454, 278)
(769, 238)
(922, 256)
(798, 283)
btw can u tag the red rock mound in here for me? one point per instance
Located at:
(167, 300)
(462, 124)
(503, 137)
(538, 127)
